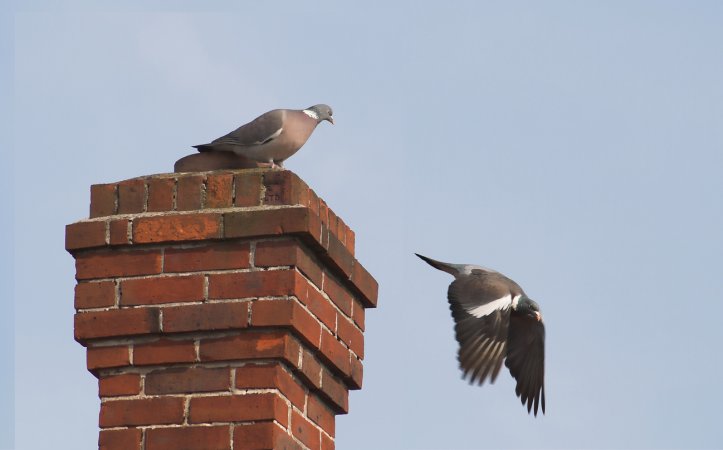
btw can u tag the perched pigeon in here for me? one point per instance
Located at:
(494, 319)
(273, 136)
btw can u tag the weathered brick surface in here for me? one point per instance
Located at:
(262, 436)
(160, 194)
(102, 200)
(210, 256)
(124, 439)
(219, 189)
(189, 438)
(305, 431)
(250, 345)
(238, 408)
(131, 196)
(151, 291)
(286, 313)
(271, 376)
(222, 309)
(116, 322)
(85, 234)
(106, 357)
(94, 295)
(146, 411)
(123, 384)
(216, 316)
(107, 264)
(321, 414)
(164, 351)
(118, 231)
(174, 228)
(251, 284)
(187, 380)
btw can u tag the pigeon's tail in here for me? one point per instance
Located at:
(453, 269)
(203, 148)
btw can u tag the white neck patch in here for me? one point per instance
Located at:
(311, 114)
(516, 300)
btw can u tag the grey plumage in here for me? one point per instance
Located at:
(273, 136)
(495, 321)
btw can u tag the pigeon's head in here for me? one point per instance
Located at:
(322, 112)
(528, 307)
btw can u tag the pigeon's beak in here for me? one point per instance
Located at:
(331, 120)
(538, 316)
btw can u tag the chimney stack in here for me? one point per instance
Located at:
(220, 310)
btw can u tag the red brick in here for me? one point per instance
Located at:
(340, 257)
(146, 411)
(212, 316)
(126, 439)
(94, 295)
(341, 231)
(188, 192)
(116, 263)
(219, 190)
(251, 345)
(237, 408)
(313, 202)
(172, 228)
(102, 200)
(115, 385)
(251, 284)
(335, 392)
(106, 357)
(338, 294)
(212, 256)
(366, 285)
(349, 242)
(321, 414)
(164, 351)
(116, 322)
(131, 196)
(160, 194)
(247, 189)
(271, 222)
(358, 314)
(327, 443)
(304, 430)
(183, 380)
(311, 369)
(319, 305)
(286, 313)
(151, 291)
(119, 232)
(350, 335)
(285, 188)
(323, 212)
(334, 352)
(357, 374)
(262, 436)
(189, 438)
(287, 253)
(271, 376)
(333, 224)
(84, 235)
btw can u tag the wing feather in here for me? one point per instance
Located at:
(526, 360)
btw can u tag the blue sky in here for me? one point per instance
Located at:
(578, 148)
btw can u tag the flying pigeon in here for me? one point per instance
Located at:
(495, 320)
(273, 136)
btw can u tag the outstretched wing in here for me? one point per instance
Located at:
(526, 360)
(481, 313)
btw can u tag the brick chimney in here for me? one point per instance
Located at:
(220, 310)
